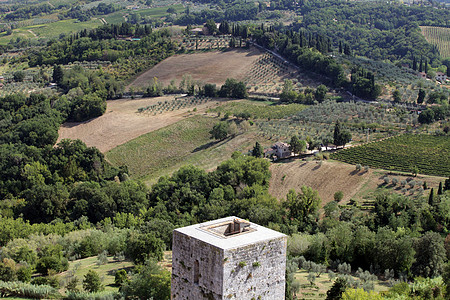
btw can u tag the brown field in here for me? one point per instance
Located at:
(333, 176)
(209, 67)
(122, 123)
(327, 178)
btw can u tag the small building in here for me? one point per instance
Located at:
(422, 75)
(279, 149)
(229, 259)
(442, 77)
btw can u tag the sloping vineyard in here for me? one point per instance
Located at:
(439, 36)
(429, 154)
(267, 74)
(176, 104)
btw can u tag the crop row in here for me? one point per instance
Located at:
(429, 154)
(176, 104)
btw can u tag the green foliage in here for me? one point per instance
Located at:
(87, 107)
(20, 289)
(260, 110)
(140, 247)
(233, 89)
(151, 281)
(220, 131)
(338, 196)
(303, 205)
(415, 151)
(92, 282)
(47, 263)
(341, 137)
(296, 145)
(257, 150)
(338, 288)
(120, 278)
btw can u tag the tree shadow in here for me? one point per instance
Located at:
(354, 172)
(113, 272)
(205, 146)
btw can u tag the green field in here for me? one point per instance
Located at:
(157, 12)
(164, 151)
(49, 30)
(438, 36)
(260, 110)
(322, 284)
(79, 268)
(430, 154)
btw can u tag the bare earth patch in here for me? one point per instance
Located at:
(333, 176)
(209, 67)
(327, 179)
(122, 123)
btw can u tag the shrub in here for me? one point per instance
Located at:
(92, 282)
(358, 167)
(242, 264)
(47, 263)
(26, 290)
(120, 278)
(338, 196)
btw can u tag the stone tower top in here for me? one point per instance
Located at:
(229, 232)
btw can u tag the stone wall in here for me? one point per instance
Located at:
(256, 271)
(186, 253)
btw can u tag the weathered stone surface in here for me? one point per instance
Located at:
(203, 268)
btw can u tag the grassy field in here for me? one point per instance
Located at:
(260, 110)
(156, 12)
(322, 284)
(79, 268)
(50, 30)
(439, 36)
(164, 151)
(430, 154)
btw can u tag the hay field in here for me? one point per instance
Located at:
(122, 122)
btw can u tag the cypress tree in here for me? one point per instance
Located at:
(431, 197)
(440, 192)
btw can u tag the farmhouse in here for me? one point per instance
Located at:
(279, 149)
(441, 76)
(228, 258)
